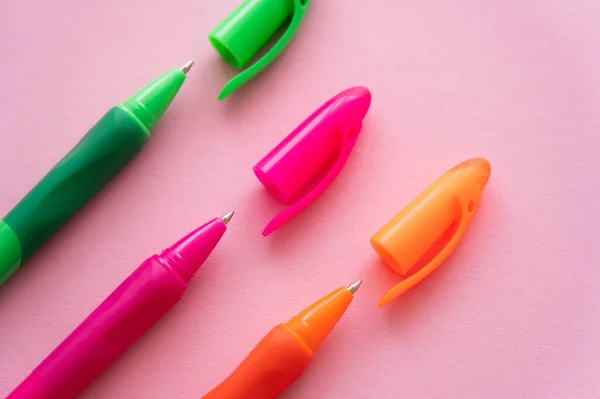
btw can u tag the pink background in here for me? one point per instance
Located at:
(513, 314)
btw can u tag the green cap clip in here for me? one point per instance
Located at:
(247, 29)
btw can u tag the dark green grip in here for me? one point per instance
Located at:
(82, 173)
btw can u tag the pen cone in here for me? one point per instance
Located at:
(191, 251)
(150, 103)
(317, 321)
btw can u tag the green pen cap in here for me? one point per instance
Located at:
(244, 32)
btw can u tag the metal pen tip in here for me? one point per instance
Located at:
(227, 217)
(187, 66)
(354, 287)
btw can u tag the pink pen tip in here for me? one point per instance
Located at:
(227, 217)
(189, 253)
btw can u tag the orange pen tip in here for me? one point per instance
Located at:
(354, 287)
(316, 322)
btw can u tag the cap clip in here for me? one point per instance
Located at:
(428, 230)
(246, 30)
(306, 162)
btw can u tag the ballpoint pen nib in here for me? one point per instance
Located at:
(187, 66)
(354, 287)
(227, 217)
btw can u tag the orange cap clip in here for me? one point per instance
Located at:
(426, 231)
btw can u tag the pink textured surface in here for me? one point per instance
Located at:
(513, 314)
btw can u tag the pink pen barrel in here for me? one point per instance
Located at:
(139, 302)
(104, 335)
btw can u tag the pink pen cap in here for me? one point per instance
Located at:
(306, 162)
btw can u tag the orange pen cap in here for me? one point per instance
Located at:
(419, 238)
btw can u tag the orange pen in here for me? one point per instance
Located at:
(285, 352)
(419, 238)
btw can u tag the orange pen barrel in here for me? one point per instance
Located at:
(276, 362)
(281, 357)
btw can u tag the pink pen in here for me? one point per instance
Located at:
(143, 298)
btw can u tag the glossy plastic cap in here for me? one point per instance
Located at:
(243, 33)
(419, 238)
(306, 162)
(246, 30)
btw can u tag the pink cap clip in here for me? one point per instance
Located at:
(304, 164)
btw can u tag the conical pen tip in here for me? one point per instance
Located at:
(354, 287)
(187, 66)
(227, 217)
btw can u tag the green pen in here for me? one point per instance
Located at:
(84, 171)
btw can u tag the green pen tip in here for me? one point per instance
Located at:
(187, 66)
(150, 103)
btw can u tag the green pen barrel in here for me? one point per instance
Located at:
(10, 252)
(246, 30)
(83, 172)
